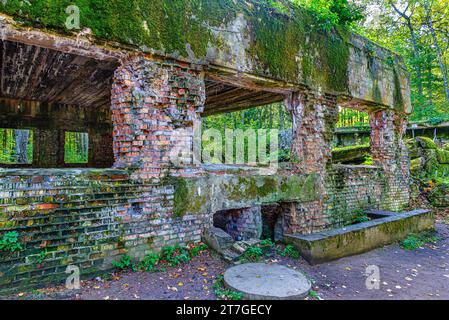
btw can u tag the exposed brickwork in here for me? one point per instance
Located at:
(85, 218)
(351, 189)
(241, 224)
(151, 99)
(389, 151)
(314, 118)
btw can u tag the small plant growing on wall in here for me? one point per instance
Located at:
(10, 242)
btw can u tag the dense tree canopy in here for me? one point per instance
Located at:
(418, 30)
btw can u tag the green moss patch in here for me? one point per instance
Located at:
(443, 156)
(426, 143)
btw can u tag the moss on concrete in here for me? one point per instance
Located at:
(279, 34)
(443, 156)
(426, 143)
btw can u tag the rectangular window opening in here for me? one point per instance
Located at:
(351, 144)
(16, 146)
(76, 147)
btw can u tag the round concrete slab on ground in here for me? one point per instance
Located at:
(260, 281)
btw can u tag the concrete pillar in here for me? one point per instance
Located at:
(314, 118)
(154, 107)
(389, 151)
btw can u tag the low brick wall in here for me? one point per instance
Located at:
(90, 217)
(354, 188)
(85, 218)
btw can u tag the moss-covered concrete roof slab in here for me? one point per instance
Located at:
(284, 43)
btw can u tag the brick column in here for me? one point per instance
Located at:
(389, 151)
(154, 106)
(314, 118)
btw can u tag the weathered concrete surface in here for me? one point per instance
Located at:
(216, 192)
(260, 281)
(248, 37)
(334, 244)
(217, 239)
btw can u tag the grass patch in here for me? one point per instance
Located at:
(416, 241)
(170, 256)
(223, 293)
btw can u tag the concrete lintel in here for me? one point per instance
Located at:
(78, 46)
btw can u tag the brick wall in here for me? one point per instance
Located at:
(241, 224)
(155, 104)
(83, 217)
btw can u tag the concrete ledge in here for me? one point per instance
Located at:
(338, 243)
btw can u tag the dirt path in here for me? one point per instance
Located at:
(419, 274)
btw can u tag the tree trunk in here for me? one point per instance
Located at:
(416, 56)
(281, 117)
(21, 140)
(414, 43)
(437, 48)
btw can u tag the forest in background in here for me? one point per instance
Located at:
(16, 147)
(416, 29)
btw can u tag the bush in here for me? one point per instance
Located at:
(414, 241)
(149, 262)
(123, 263)
(10, 242)
(290, 251)
(253, 254)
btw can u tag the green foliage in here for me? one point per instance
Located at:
(222, 293)
(170, 255)
(252, 254)
(41, 256)
(195, 251)
(266, 243)
(10, 242)
(360, 217)
(149, 262)
(290, 251)
(368, 160)
(313, 294)
(416, 241)
(174, 255)
(333, 12)
(12, 151)
(76, 147)
(352, 118)
(123, 263)
(273, 116)
(391, 30)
